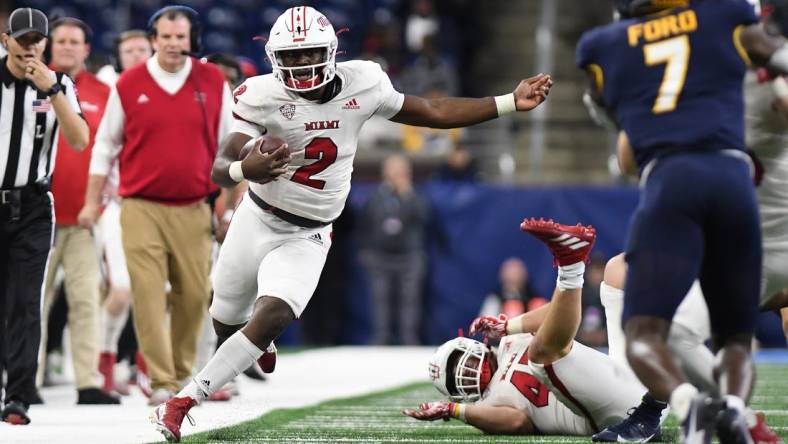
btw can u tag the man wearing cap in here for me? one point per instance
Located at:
(37, 104)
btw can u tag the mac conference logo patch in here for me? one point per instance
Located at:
(287, 110)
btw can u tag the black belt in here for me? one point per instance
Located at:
(13, 197)
(284, 215)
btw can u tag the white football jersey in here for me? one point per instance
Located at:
(321, 136)
(767, 134)
(514, 385)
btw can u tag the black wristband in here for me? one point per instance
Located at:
(56, 88)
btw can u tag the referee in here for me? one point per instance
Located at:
(35, 105)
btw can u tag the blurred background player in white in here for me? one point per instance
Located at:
(276, 246)
(766, 134)
(519, 392)
(131, 48)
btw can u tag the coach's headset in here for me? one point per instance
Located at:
(195, 41)
(195, 34)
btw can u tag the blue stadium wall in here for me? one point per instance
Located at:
(475, 228)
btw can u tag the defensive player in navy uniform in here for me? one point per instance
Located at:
(670, 74)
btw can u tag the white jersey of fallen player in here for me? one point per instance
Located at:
(321, 137)
(514, 385)
(767, 134)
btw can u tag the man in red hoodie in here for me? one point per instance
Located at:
(74, 247)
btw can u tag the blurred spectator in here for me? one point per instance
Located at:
(392, 235)
(421, 22)
(383, 44)
(431, 141)
(163, 122)
(233, 73)
(593, 331)
(515, 294)
(130, 48)
(460, 166)
(74, 248)
(430, 71)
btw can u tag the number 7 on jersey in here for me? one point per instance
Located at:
(675, 53)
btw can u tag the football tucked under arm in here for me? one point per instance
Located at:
(265, 144)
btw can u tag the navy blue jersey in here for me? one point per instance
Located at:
(674, 80)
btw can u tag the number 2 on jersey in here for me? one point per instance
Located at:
(325, 151)
(529, 386)
(675, 53)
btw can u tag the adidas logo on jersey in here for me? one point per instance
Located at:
(143, 99)
(352, 104)
(316, 238)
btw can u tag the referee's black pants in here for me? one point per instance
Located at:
(26, 223)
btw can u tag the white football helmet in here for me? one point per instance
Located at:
(452, 373)
(302, 27)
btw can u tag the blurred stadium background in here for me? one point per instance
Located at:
(554, 162)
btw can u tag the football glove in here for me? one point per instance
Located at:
(431, 411)
(490, 327)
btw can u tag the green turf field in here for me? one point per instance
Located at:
(376, 418)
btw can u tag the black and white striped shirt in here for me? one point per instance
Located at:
(28, 129)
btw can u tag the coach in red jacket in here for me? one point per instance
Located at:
(163, 122)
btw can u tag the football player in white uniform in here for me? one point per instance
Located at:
(517, 389)
(277, 243)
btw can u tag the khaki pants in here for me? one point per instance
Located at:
(75, 251)
(167, 242)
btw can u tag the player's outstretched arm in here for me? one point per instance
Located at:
(501, 420)
(455, 112)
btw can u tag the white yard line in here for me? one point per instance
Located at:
(301, 379)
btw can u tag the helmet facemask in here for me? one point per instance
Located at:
(471, 375)
(307, 77)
